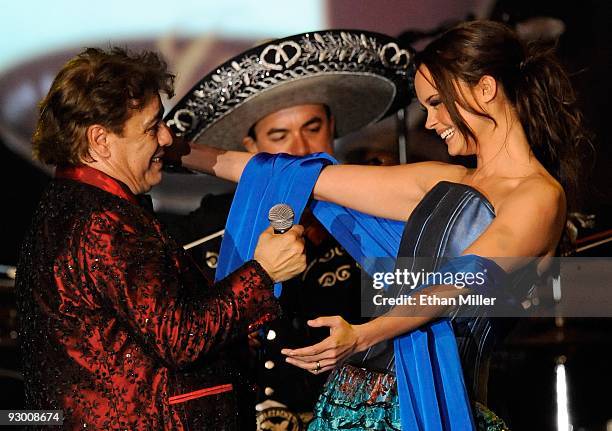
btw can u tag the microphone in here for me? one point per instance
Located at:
(281, 218)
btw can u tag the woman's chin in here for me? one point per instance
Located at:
(452, 150)
(458, 149)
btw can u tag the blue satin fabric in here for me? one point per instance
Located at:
(362, 235)
(430, 382)
(431, 389)
(266, 181)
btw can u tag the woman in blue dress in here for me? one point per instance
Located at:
(510, 105)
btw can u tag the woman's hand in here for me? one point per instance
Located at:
(346, 339)
(220, 163)
(342, 342)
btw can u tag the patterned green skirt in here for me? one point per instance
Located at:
(355, 399)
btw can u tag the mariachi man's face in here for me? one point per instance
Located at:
(298, 130)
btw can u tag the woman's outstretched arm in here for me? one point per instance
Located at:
(384, 191)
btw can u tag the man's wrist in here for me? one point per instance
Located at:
(266, 279)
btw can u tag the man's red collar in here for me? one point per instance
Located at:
(96, 178)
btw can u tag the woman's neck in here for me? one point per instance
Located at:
(505, 151)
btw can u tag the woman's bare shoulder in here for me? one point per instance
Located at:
(539, 188)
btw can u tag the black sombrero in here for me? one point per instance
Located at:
(361, 76)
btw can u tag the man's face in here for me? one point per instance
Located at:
(299, 130)
(136, 153)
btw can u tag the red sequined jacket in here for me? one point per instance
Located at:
(119, 330)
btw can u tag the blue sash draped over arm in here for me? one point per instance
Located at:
(266, 181)
(431, 388)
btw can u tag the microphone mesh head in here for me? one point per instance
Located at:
(281, 217)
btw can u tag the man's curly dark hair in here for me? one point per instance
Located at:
(95, 87)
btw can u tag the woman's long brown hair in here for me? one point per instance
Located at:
(533, 80)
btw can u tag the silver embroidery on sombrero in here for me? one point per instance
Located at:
(316, 53)
(281, 53)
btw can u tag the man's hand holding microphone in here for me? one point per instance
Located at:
(280, 248)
